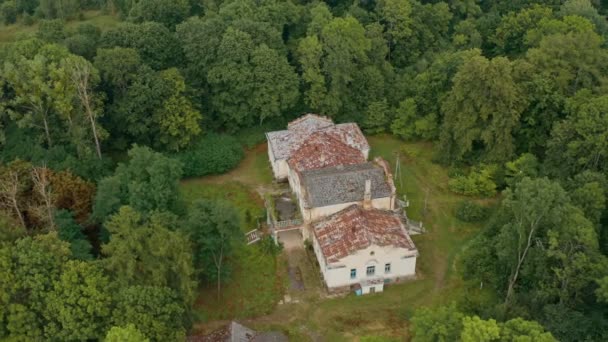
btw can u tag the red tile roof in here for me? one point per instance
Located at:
(323, 150)
(355, 228)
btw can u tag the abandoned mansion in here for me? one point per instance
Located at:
(348, 204)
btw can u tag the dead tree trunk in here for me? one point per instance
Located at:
(521, 257)
(218, 260)
(47, 131)
(81, 74)
(9, 192)
(40, 177)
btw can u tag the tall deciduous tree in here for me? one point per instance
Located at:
(330, 62)
(84, 78)
(29, 270)
(127, 333)
(147, 182)
(580, 142)
(36, 102)
(213, 228)
(78, 307)
(155, 311)
(573, 61)
(155, 43)
(147, 252)
(483, 107)
(178, 120)
(530, 204)
(168, 12)
(276, 83)
(441, 324)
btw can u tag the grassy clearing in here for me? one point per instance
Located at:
(343, 319)
(254, 171)
(256, 284)
(10, 33)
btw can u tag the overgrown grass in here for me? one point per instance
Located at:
(255, 285)
(254, 288)
(248, 204)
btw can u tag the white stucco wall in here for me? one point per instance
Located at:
(279, 166)
(403, 264)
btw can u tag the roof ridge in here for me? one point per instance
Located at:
(368, 234)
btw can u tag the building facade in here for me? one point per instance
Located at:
(363, 249)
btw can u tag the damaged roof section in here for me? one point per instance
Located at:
(343, 184)
(322, 150)
(355, 228)
(285, 143)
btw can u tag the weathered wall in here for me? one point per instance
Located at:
(279, 167)
(403, 265)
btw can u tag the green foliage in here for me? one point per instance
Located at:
(212, 154)
(270, 247)
(377, 117)
(168, 12)
(531, 239)
(329, 61)
(479, 182)
(446, 323)
(469, 211)
(518, 329)
(154, 42)
(21, 145)
(483, 108)
(573, 60)
(585, 9)
(510, 34)
(147, 182)
(63, 9)
(213, 228)
(137, 253)
(128, 333)
(8, 11)
(10, 229)
(70, 231)
(155, 312)
(580, 141)
(525, 166)
(442, 324)
(475, 329)
(178, 121)
(409, 126)
(78, 307)
(30, 269)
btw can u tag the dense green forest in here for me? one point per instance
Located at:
(98, 125)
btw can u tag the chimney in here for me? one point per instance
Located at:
(367, 196)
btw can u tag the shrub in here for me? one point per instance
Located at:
(479, 182)
(8, 11)
(213, 154)
(468, 211)
(28, 20)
